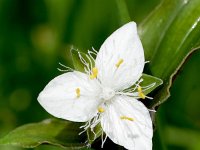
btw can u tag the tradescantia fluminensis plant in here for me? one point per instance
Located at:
(169, 35)
(108, 91)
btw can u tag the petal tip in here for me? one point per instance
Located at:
(131, 25)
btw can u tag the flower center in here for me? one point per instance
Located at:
(107, 93)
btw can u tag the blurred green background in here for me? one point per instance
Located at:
(35, 35)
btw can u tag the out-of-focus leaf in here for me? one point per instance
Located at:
(184, 134)
(56, 132)
(123, 11)
(58, 12)
(169, 35)
(157, 143)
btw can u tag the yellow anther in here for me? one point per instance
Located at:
(119, 63)
(126, 118)
(78, 92)
(139, 89)
(94, 73)
(140, 93)
(101, 110)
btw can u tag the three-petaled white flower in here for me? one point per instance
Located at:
(103, 94)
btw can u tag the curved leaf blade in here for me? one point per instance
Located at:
(179, 40)
(155, 26)
(56, 132)
(174, 30)
(164, 92)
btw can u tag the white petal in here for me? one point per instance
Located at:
(134, 135)
(124, 44)
(59, 97)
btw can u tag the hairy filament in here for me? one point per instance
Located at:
(66, 68)
(103, 140)
(95, 51)
(129, 90)
(90, 62)
(151, 110)
(90, 54)
(84, 62)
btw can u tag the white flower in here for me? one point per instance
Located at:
(103, 94)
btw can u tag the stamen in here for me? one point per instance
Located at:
(101, 109)
(94, 73)
(152, 110)
(90, 61)
(66, 69)
(126, 118)
(140, 93)
(103, 140)
(78, 92)
(95, 51)
(92, 55)
(119, 63)
(91, 124)
(85, 63)
(130, 90)
(86, 126)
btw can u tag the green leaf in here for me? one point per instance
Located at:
(123, 11)
(169, 35)
(56, 132)
(57, 13)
